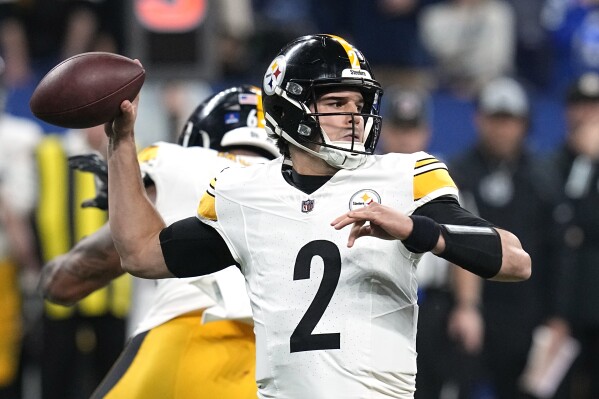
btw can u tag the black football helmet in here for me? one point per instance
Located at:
(230, 119)
(304, 70)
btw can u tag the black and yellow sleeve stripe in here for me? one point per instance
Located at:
(430, 175)
(207, 206)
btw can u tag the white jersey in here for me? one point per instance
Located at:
(330, 321)
(180, 175)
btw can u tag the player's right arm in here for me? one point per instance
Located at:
(148, 248)
(134, 221)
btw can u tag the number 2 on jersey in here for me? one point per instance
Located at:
(302, 338)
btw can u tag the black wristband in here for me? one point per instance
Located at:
(424, 236)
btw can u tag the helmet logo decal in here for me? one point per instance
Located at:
(231, 118)
(274, 74)
(363, 198)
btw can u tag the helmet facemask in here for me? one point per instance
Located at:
(310, 136)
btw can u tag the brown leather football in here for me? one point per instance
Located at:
(86, 90)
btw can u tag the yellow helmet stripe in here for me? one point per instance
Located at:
(259, 109)
(351, 53)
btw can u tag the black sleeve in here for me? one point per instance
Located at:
(447, 210)
(192, 248)
(477, 249)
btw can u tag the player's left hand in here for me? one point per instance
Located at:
(384, 222)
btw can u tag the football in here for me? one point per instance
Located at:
(86, 90)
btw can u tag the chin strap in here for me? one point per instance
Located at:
(341, 159)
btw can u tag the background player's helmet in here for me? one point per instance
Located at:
(305, 69)
(230, 119)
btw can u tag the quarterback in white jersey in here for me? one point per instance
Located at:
(174, 335)
(334, 316)
(344, 316)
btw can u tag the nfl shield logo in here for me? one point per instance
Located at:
(307, 206)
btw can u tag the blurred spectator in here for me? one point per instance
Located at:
(19, 75)
(534, 55)
(80, 343)
(443, 369)
(278, 22)
(574, 31)
(36, 35)
(235, 29)
(575, 165)
(18, 138)
(386, 31)
(405, 121)
(471, 41)
(505, 185)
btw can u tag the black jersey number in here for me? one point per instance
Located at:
(302, 338)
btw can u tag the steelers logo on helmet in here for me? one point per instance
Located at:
(274, 74)
(363, 198)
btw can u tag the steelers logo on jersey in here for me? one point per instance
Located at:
(363, 198)
(274, 74)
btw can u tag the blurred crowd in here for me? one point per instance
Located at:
(506, 92)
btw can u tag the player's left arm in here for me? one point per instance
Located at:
(443, 227)
(489, 252)
(91, 264)
(474, 243)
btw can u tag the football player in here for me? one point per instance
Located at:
(196, 340)
(334, 317)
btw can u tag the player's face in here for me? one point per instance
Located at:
(341, 127)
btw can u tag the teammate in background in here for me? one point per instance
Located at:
(197, 340)
(334, 316)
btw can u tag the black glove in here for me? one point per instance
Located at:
(95, 164)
